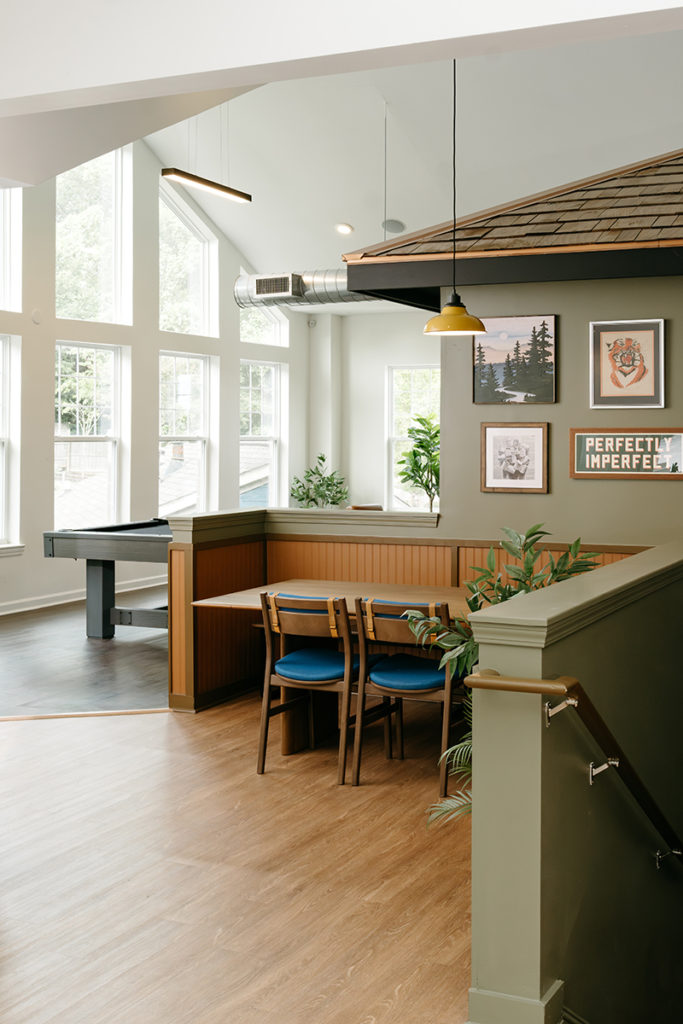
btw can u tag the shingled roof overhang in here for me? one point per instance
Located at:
(628, 223)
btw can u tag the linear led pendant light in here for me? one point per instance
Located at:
(454, 320)
(205, 184)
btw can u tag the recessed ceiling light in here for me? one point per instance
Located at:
(395, 226)
(344, 229)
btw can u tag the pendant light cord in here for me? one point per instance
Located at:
(454, 165)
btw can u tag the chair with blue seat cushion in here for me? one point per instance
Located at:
(402, 675)
(288, 622)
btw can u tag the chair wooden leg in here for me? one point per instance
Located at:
(388, 725)
(399, 727)
(311, 721)
(263, 727)
(358, 738)
(343, 735)
(445, 733)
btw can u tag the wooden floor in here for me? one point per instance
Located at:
(151, 877)
(49, 666)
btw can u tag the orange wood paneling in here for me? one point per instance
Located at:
(179, 619)
(222, 570)
(364, 562)
(228, 650)
(469, 557)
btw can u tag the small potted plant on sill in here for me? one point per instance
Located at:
(318, 488)
(462, 650)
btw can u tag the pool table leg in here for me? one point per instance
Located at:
(99, 598)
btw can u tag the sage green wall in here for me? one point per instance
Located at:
(600, 511)
(565, 886)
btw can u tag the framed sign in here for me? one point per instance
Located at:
(626, 453)
(627, 364)
(514, 457)
(514, 362)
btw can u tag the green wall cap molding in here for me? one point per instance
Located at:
(209, 526)
(298, 520)
(545, 616)
(232, 523)
(486, 1007)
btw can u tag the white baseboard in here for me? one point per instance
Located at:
(30, 604)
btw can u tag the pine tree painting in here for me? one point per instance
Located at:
(515, 361)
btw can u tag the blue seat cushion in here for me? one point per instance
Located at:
(317, 665)
(406, 672)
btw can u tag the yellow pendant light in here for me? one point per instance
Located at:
(454, 320)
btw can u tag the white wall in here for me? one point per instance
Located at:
(27, 578)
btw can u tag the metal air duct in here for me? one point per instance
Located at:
(312, 288)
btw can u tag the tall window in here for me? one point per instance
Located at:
(86, 435)
(94, 232)
(188, 270)
(10, 249)
(262, 325)
(259, 433)
(4, 437)
(413, 391)
(183, 430)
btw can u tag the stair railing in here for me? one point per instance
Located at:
(573, 695)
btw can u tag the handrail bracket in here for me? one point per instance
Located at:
(593, 770)
(659, 856)
(551, 711)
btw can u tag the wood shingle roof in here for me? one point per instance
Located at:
(639, 206)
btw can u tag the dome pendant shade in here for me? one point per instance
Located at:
(454, 320)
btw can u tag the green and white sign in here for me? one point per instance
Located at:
(626, 453)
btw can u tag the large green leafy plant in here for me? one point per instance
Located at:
(318, 488)
(461, 649)
(419, 466)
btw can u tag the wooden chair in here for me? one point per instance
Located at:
(294, 666)
(403, 676)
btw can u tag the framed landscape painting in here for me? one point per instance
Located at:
(627, 364)
(514, 362)
(514, 457)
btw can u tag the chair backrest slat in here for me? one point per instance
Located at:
(305, 616)
(383, 620)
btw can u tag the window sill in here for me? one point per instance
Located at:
(10, 550)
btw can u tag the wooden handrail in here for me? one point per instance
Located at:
(568, 687)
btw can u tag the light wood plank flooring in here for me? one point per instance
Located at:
(151, 877)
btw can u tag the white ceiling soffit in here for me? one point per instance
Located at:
(39, 146)
(56, 57)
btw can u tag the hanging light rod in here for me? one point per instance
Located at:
(204, 184)
(454, 320)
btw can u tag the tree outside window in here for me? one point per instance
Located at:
(85, 457)
(94, 240)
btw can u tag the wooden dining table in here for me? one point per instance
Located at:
(294, 728)
(455, 597)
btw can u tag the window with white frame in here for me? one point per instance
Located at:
(413, 391)
(10, 249)
(86, 435)
(4, 437)
(188, 269)
(259, 433)
(183, 432)
(264, 325)
(94, 240)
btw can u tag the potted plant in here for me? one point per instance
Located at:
(318, 488)
(419, 467)
(462, 650)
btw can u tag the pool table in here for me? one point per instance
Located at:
(102, 547)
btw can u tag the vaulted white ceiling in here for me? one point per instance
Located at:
(312, 151)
